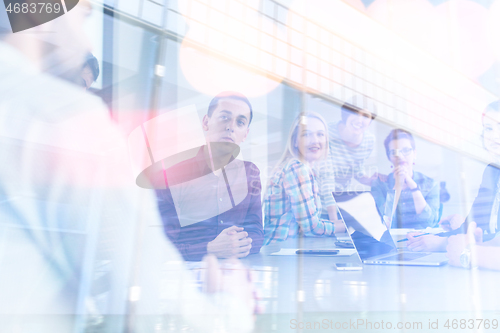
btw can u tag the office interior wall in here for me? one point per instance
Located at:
(314, 67)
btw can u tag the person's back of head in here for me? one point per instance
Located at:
(55, 46)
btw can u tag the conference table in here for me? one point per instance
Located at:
(297, 290)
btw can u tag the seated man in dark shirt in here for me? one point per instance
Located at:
(212, 202)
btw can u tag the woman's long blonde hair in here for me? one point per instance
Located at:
(291, 150)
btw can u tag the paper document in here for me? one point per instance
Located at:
(292, 252)
(362, 208)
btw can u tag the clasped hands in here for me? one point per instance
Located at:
(231, 242)
(403, 178)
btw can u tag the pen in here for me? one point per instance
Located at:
(405, 239)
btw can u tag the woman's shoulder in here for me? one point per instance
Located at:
(291, 172)
(296, 170)
(290, 166)
(295, 164)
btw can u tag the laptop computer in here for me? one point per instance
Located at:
(373, 241)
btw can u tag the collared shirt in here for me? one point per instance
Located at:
(292, 204)
(202, 204)
(71, 213)
(405, 215)
(343, 164)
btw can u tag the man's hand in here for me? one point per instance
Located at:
(403, 178)
(451, 222)
(457, 243)
(427, 243)
(234, 280)
(231, 242)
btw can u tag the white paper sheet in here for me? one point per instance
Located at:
(292, 252)
(364, 210)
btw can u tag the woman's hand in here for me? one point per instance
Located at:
(425, 243)
(339, 227)
(451, 222)
(457, 243)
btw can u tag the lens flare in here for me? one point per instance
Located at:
(221, 53)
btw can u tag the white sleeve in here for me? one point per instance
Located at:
(73, 220)
(168, 290)
(158, 285)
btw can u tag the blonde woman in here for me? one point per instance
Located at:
(292, 201)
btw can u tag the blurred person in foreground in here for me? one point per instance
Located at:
(292, 200)
(474, 242)
(407, 198)
(213, 201)
(81, 250)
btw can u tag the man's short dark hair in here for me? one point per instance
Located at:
(229, 95)
(357, 104)
(397, 134)
(93, 64)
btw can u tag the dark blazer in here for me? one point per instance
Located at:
(483, 204)
(191, 240)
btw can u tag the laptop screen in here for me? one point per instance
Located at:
(368, 233)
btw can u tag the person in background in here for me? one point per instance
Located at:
(90, 71)
(350, 144)
(479, 231)
(292, 205)
(70, 212)
(218, 210)
(407, 199)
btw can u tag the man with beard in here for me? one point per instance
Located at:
(213, 203)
